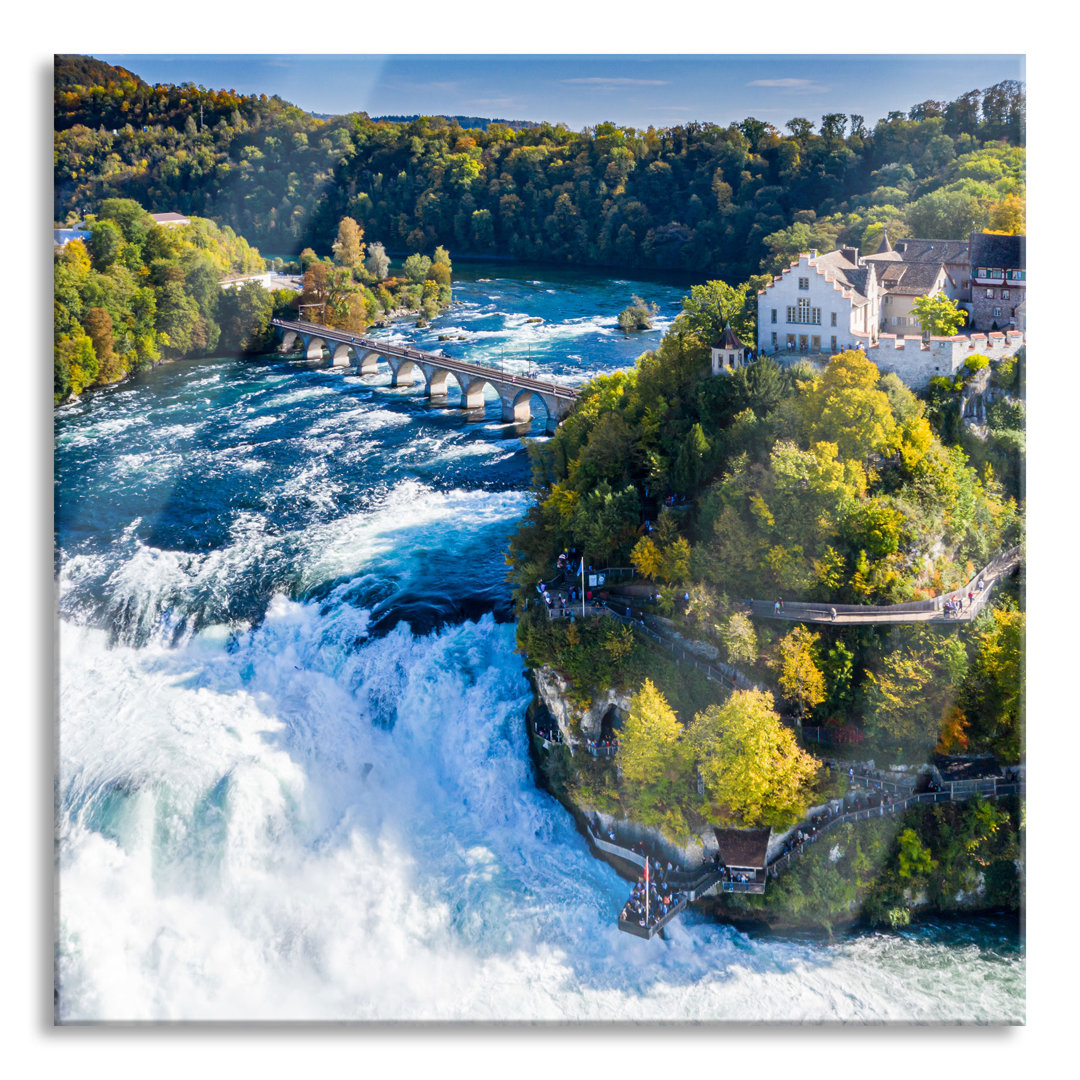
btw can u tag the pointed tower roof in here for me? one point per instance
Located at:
(885, 245)
(728, 340)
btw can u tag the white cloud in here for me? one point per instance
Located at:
(789, 84)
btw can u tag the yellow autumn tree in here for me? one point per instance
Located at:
(653, 758)
(753, 769)
(801, 680)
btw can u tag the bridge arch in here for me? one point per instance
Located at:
(342, 355)
(368, 361)
(520, 407)
(288, 341)
(313, 347)
(405, 372)
(472, 391)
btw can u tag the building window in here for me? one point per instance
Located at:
(815, 343)
(1015, 275)
(774, 340)
(832, 320)
(804, 313)
(989, 294)
(774, 315)
(997, 313)
(804, 343)
(804, 283)
(832, 343)
(791, 341)
(1004, 294)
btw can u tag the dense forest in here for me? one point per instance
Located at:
(133, 293)
(730, 201)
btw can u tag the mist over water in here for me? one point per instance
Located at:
(294, 779)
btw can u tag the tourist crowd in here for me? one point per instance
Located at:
(648, 905)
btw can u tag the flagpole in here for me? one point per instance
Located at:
(646, 892)
(583, 584)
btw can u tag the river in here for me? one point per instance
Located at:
(294, 779)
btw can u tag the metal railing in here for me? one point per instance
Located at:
(781, 862)
(798, 611)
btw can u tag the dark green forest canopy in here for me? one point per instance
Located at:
(726, 201)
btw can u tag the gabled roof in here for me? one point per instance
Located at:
(171, 218)
(1008, 252)
(939, 251)
(743, 849)
(63, 236)
(915, 280)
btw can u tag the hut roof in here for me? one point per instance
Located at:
(744, 849)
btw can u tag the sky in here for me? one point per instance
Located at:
(584, 90)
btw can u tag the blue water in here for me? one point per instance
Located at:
(274, 576)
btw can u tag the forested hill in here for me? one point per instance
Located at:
(726, 201)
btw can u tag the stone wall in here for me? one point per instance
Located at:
(917, 363)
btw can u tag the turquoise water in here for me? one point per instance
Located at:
(273, 577)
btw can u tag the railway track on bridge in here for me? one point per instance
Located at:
(473, 370)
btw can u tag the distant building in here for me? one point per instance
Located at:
(170, 220)
(65, 236)
(728, 353)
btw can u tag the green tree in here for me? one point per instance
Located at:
(847, 408)
(938, 315)
(244, 313)
(714, 305)
(914, 856)
(105, 243)
(638, 316)
(416, 268)
(652, 756)
(739, 638)
(753, 769)
(689, 473)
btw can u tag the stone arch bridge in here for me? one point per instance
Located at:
(409, 366)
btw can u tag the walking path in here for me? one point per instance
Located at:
(970, 599)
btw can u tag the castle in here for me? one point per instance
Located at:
(824, 304)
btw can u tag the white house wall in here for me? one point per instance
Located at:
(829, 296)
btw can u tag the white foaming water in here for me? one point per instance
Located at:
(222, 854)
